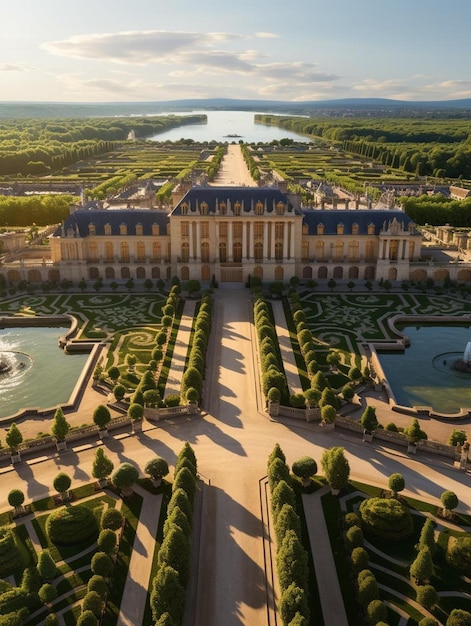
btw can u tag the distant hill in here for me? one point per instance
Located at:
(336, 108)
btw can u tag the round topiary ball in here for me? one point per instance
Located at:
(386, 518)
(71, 525)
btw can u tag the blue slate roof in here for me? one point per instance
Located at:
(247, 196)
(363, 217)
(79, 221)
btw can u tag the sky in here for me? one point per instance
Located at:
(289, 50)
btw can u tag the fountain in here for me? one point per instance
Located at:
(34, 372)
(464, 364)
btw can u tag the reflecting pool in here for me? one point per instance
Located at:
(35, 372)
(423, 375)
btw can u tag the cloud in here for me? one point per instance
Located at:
(134, 47)
(16, 67)
(266, 35)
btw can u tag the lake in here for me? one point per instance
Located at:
(223, 123)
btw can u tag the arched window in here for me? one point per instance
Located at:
(92, 252)
(236, 208)
(140, 251)
(222, 252)
(259, 208)
(205, 252)
(338, 251)
(237, 252)
(109, 273)
(371, 229)
(280, 208)
(185, 252)
(258, 251)
(305, 251)
(156, 252)
(139, 230)
(107, 229)
(109, 252)
(185, 271)
(320, 229)
(155, 230)
(204, 208)
(91, 229)
(279, 273)
(319, 250)
(123, 229)
(353, 251)
(184, 208)
(124, 252)
(340, 229)
(370, 251)
(355, 229)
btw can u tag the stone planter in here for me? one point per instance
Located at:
(367, 436)
(15, 458)
(334, 492)
(328, 425)
(61, 445)
(136, 426)
(412, 448)
(103, 433)
(273, 408)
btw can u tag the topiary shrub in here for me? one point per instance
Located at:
(11, 558)
(354, 537)
(47, 593)
(281, 494)
(101, 564)
(107, 541)
(92, 602)
(351, 519)
(459, 554)
(360, 559)
(71, 525)
(386, 518)
(87, 618)
(46, 566)
(305, 467)
(292, 561)
(185, 480)
(111, 518)
(98, 584)
(293, 600)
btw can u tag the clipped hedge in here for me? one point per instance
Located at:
(386, 518)
(71, 525)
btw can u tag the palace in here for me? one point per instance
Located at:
(231, 233)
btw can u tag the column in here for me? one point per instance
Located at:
(251, 244)
(230, 256)
(198, 241)
(292, 245)
(244, 240)
(191, 239)
(272, 240)
(265, 240)
(386, 255)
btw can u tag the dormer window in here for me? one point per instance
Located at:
(91, 229)
(107, 229)
(222, 208)
(123, 229)
(259, 208)
(184, 208)
(320, 229)
(355, 229)
(155, 230)
(371, 229)
(204, 208)
(280, 208)
(340, 229)
(237, 206)
(139, 230)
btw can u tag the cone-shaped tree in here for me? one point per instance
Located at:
(168, 595)
(46, 566)
(293, 600)
(292, 561)
(422, 567)
(60, 426)
(276, 453)
(368, 419)
(14, 438)
(427, 596)
(278, 470)
(459, 617)
(281, 494)
(336, 467)
(427, 536)
(102, 465)
(287, 519)
(414, 433)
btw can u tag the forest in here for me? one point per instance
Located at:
(36, 147)
(440, 148)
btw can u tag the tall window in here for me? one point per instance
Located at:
(237, 229)
(258, 229)
(319, 250)
(141, 251)
(353, 251)
(185, 229)
(185, 252)
(279, 230)
(223, 252)
(156, 253)
(278, 250)
(237, 252)
(258, 251)
(109, 252)
(393, 249)
(222, 229)
(91, 229)
(124, 252)
(92, 252)
(370, 250)
(205, 251)
(107, 229)
(204, 231)
(338, 251)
